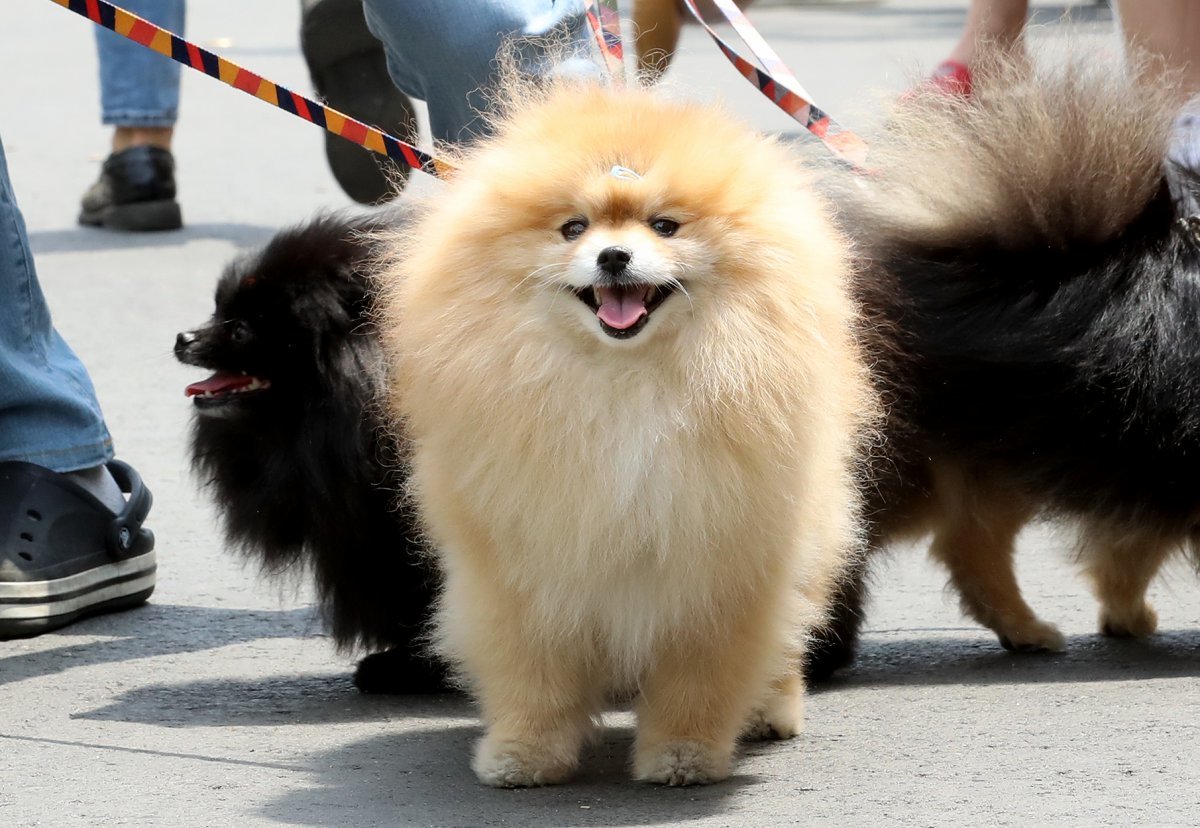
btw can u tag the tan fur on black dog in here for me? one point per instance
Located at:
(1033, 277)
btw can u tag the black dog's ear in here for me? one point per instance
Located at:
(353, 280)
(360, 298)
(336, 335)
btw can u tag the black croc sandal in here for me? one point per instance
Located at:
(349, 71)
(64, 554)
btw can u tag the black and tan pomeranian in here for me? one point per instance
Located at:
(1032, 272)
(286, 434)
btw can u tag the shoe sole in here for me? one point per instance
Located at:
(349, 71)
(137, 217)
(333, 30)
(30, 608)
(360, 87)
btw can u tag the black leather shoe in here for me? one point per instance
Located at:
(136, 191)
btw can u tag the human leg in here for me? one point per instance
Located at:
(70, 542)
(990, 23)
(139, 98)
(139, 88)
(444, 53)
(1163, 37)
(47, 403)
(1167, 33)
(349, 72)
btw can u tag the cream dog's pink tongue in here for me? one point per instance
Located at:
(621, 307)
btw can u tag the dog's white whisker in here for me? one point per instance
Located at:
(535, 273)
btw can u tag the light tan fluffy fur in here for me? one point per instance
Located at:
(662, 515)
(1061, 150)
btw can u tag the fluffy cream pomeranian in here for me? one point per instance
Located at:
(623, 348)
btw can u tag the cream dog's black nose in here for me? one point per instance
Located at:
(614, 259)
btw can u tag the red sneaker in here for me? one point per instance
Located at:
(952, 78)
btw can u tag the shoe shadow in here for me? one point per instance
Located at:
(149, 631)
(422, 776)
(88, 239)
(895, 660)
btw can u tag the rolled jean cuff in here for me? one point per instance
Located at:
(132, 118)
(139, 87)
(67, 459)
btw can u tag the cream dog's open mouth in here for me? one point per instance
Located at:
(623, 310)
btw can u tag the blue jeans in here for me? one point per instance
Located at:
(138, 86)
(48, 409)
(443, 52)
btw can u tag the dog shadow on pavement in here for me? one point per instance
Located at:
(416, 771)
(422, 776)
(908, 658)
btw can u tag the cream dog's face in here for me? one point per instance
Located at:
(604, 220)
(622, 260)
(622, 270)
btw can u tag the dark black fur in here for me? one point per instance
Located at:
(302, 471)
(1062, 363)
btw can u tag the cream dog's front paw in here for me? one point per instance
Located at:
(508, 763)
(682, 762)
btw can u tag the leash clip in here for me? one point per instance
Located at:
(1191, 228)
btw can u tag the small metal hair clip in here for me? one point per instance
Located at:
(624, 173)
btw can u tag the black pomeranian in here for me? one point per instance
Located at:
(286, 433)
(1031, 282)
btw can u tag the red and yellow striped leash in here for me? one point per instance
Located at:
(778, 83)
(116, 19)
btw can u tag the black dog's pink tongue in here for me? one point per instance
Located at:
(218, 384)
(621, 307)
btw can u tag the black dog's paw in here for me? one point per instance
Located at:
(400, 672)
(825, 657)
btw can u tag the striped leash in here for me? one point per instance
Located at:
(604, 18)
(785, 91)
(130, 26)
(778, 83)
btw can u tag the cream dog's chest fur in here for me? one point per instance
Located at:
(616, 506)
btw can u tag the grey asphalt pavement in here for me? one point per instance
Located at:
(222, 702)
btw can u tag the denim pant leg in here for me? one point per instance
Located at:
(48, 409)
(444, 51)
(138, 86)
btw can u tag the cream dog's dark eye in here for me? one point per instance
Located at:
(573, 229)
(664, 227)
